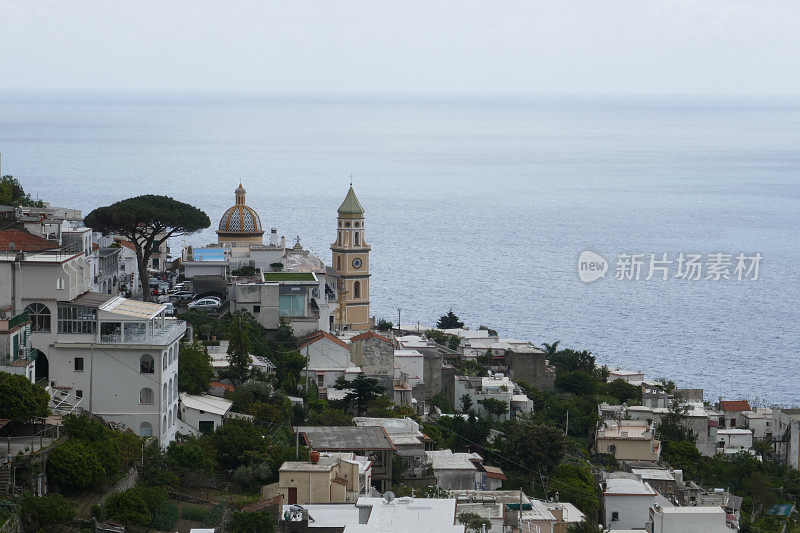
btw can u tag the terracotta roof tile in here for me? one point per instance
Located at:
(318, 336)
(736, 405)
(369, 335)
(127, 244)
(24, 241)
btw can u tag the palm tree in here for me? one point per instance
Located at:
(551, 349)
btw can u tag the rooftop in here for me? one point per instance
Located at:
(346, 437)
(733, 406)
(447, 460)
(369, 335)
(311, 338)
(206, 402)
(289, 276)
(627, 487)
(653, 473)
(408, 515)
(132, 308)
(24, 242)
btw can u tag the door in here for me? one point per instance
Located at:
(292, 495)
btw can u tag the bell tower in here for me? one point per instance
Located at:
(350, 257)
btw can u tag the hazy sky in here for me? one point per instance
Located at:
(562, 46)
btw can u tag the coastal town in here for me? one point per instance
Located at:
(245, 385)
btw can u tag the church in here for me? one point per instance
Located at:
(273, 281)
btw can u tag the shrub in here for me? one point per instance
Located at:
(165, 517)
(74, 466)
(215, 516)
(197, 514)
(252, 522)
(50, 509)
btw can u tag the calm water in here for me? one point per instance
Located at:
(482, 205)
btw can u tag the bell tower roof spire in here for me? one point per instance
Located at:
(351, 206)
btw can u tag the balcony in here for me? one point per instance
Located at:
(11, 323)
(155, 332)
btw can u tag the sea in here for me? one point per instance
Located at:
(483, 204)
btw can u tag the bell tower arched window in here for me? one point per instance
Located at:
(357, 289)
(357, 239)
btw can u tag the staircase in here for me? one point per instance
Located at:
(63, 402)
(5, 478)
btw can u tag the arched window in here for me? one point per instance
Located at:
(338, 262)
(39, 315)
(357, 289)
(358, 240)
(147, 365)
(145, 429)
(164, 394)
(169, 417)
(163, 360)
(170, 390)
(175, 387)
(164, 424)
(339, 239)
(146, 396)
(174, 416)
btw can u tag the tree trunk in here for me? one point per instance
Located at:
(144, 279)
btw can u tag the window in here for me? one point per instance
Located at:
(79, 394)
(79, 364)
(76, 319)
(39, 315)
(615, 516)
(155, 263)
(205, 426)
(357, 289)
(60, 283)
(256, 308)
(164, 394)
(145, 429)
(291, 305)
(358, 224)
(339, 239)
(358, 240)
(146, 396)
(320, 380)
(147, 365)
(164, 360)
(338, 262)
(169, 388)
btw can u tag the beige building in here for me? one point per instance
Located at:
(350, 256)
(628, 440)
(333, 478)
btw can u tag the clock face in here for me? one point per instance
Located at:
(356, 263)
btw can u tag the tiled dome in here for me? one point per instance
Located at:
(240, 219)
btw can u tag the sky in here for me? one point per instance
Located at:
(726, 47)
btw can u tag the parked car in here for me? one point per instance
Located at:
(153, 282)
(169, 309)
(208, 304)
(183, 296)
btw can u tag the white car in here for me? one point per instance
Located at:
(206, 304)
(169, 309)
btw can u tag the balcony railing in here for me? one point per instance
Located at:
(152, 334)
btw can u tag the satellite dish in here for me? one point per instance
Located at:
(388, 496)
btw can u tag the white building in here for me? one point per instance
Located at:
(627, 503)
(787, 432)
(687, 520)
(409, 362)
(497, 386)
(634, 377)
(455, 470)
(734, 440)
(203, 413)
(406, 515)
(114, 357)
(328, 359)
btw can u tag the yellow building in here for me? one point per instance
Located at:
(240, 225)
(350, 256)
(332, 479)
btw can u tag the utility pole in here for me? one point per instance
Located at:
(566, 431)
(398, 320)
(307, 346)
